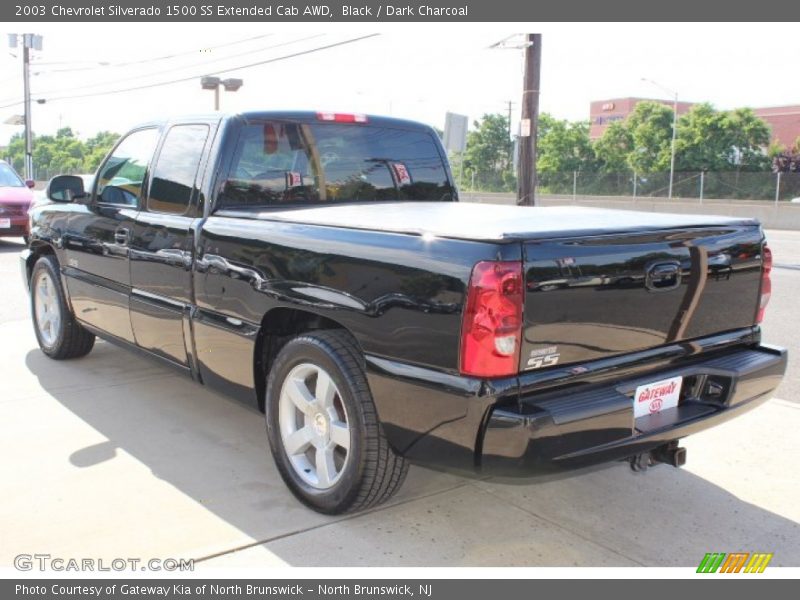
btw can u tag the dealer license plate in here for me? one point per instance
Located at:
(654, 397)
(5, 223)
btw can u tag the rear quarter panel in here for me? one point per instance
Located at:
(399, 295)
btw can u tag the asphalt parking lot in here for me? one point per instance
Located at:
(116, 456)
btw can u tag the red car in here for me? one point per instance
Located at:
(15, 200)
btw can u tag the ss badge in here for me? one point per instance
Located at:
(546, 357)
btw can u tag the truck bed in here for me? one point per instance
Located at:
(484, 222)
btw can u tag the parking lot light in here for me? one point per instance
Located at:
(213, 83)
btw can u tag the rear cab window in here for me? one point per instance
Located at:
(278, 164)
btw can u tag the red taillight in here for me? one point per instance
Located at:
(341, 117)
(766, 282)
(492, 328)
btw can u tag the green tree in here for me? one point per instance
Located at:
(748, 135)
(712, 140)
(563, 146)
(613, 148)
(775, 148)
(16, 152)
(707, 139)
(62, 152)
(97, 147)
(488, 153)
(640, 143)
(650, 127)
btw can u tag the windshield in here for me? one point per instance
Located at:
(9, 178)
(321, 163)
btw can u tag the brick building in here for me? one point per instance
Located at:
(784, 121)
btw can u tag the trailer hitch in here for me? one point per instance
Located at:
(669, 453)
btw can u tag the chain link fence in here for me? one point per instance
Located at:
(698, 185)
(44, 173)
(41, 172)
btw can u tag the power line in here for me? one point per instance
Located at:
(153, 59)
(193, 77)
(164, 57)
(173, 69)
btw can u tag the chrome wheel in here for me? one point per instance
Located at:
(315, 431)
(46, 308)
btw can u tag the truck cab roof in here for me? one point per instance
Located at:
(287, 115)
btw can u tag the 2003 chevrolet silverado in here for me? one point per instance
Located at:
(320, 267)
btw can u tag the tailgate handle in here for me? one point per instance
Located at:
(663, 276)
(121, 235)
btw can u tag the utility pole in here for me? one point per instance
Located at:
(529, 122)
(29, 41)
(510, 141)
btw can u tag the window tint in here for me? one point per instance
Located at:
(317, 163)
(175, 172)
(121, 177)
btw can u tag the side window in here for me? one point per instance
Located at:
(121, 177)
(175, 172)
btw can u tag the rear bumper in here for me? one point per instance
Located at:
(571, 429)
(568, 417)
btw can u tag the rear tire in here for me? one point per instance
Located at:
(59, 335)
(328, 444)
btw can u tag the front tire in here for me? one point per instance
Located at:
(323, 428)
(59, 335)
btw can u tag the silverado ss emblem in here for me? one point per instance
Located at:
(545, 357)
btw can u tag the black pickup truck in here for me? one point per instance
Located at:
(321, 267)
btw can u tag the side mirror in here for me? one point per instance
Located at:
(66, 188)
(30, 183)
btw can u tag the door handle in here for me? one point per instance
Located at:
(663, 277)
(121, 236)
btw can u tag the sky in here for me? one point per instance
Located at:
(414, 71)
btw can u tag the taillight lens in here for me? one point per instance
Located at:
(492, 328)
(766, 282)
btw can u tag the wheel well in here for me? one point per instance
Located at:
(278, 327)
(37, 251)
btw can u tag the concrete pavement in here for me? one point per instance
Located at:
(114, 455)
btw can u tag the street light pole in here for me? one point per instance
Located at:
(30, 42)
(674, 130)
(26, 84)
(214, 83)
(672, 150)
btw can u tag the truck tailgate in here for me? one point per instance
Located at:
(598, 296)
